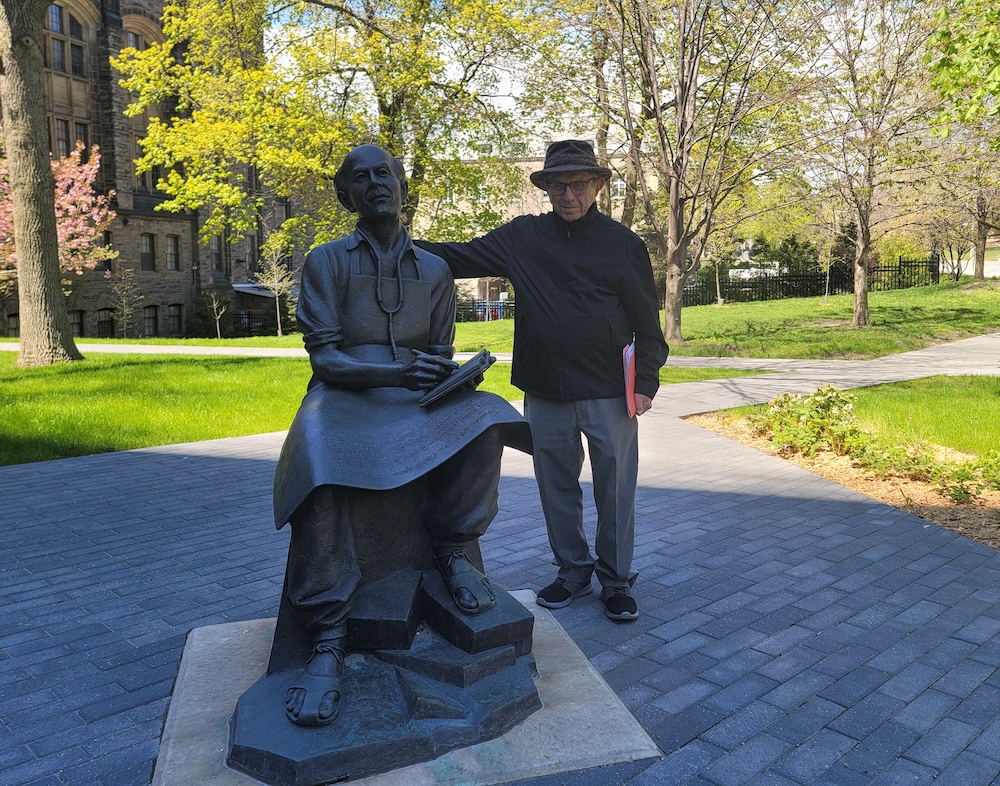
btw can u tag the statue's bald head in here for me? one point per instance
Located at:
(367, 158)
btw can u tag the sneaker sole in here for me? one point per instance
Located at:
(564, 603)
(625, 615)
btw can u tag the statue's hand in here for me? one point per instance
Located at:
(475, 382)
(426, 370)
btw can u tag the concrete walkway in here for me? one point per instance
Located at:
(792, 631)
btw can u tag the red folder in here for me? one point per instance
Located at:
(628, 366)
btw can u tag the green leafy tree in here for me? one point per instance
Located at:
(876, 104)
(274, 274)
(126, 297)
(964, 50)
(284, 90)
(713, 96)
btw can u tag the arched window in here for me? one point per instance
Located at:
(105, 323)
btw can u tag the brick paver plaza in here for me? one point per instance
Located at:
(792, 631)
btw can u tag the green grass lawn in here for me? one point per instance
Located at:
(807, 328)
(795, 328)
(960, 413)
(119, 402)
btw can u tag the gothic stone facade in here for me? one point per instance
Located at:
(85, 102)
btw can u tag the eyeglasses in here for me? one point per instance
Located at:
(558, 188)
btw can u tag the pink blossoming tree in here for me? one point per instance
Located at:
(82, 216)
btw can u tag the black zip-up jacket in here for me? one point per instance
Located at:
(584, 289)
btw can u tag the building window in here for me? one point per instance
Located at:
(147, 252)
(76, 60)
(58, 55)
(62, 138)
(76, 322)
(175, 321)
(105, 323)
(105, 242)
(82, 133)
(149, 321)
(172, 252)
(55, 18)
(13, 326)
(218, 256)
(67, 59)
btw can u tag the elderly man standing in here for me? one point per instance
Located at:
(584, 291)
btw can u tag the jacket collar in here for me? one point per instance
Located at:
(573, 227)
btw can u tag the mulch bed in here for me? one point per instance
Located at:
(979, 520)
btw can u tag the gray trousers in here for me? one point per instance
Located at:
(613, 441)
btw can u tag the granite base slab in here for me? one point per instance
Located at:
(582, 723)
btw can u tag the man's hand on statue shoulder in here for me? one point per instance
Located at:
(642, 403)
(426, 370)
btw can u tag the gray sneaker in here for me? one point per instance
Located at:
(560, 593)
(619, 605)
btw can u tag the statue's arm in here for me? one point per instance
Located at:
(417, 371)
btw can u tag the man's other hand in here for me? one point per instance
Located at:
(642, 403)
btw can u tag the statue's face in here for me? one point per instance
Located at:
(374, 190)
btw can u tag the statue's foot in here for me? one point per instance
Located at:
(314, 697)
(472, 592)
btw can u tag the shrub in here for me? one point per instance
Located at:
(824, 420)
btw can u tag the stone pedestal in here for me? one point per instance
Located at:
(421, 678)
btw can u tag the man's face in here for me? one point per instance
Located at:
(373, 190)
(569, 205)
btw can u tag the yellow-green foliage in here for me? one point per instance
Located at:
(288, 88)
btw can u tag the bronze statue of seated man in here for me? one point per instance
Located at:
(377, 316)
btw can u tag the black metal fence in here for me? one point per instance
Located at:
(902, 275)
(482, 311)
(253, 323)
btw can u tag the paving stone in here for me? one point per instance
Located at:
(804, 721)
(680, 766)
(814, 756)
(963, 678)
(942, 743)
(970, 768)
(879, 749)
(750, 759)
(906, 773)
(910, 682)
(678, 729)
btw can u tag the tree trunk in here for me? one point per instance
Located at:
(861, 275)
(672, 303)
(982, 233)
(277, 311)
(46, 335)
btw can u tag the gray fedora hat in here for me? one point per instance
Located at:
(569, 155)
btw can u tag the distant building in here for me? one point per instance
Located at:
(86, 103)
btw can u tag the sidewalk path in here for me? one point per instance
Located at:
(184, 349)
(792, 630)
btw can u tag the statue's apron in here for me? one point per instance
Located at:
(380, 438)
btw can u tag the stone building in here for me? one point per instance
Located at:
(86, 103)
